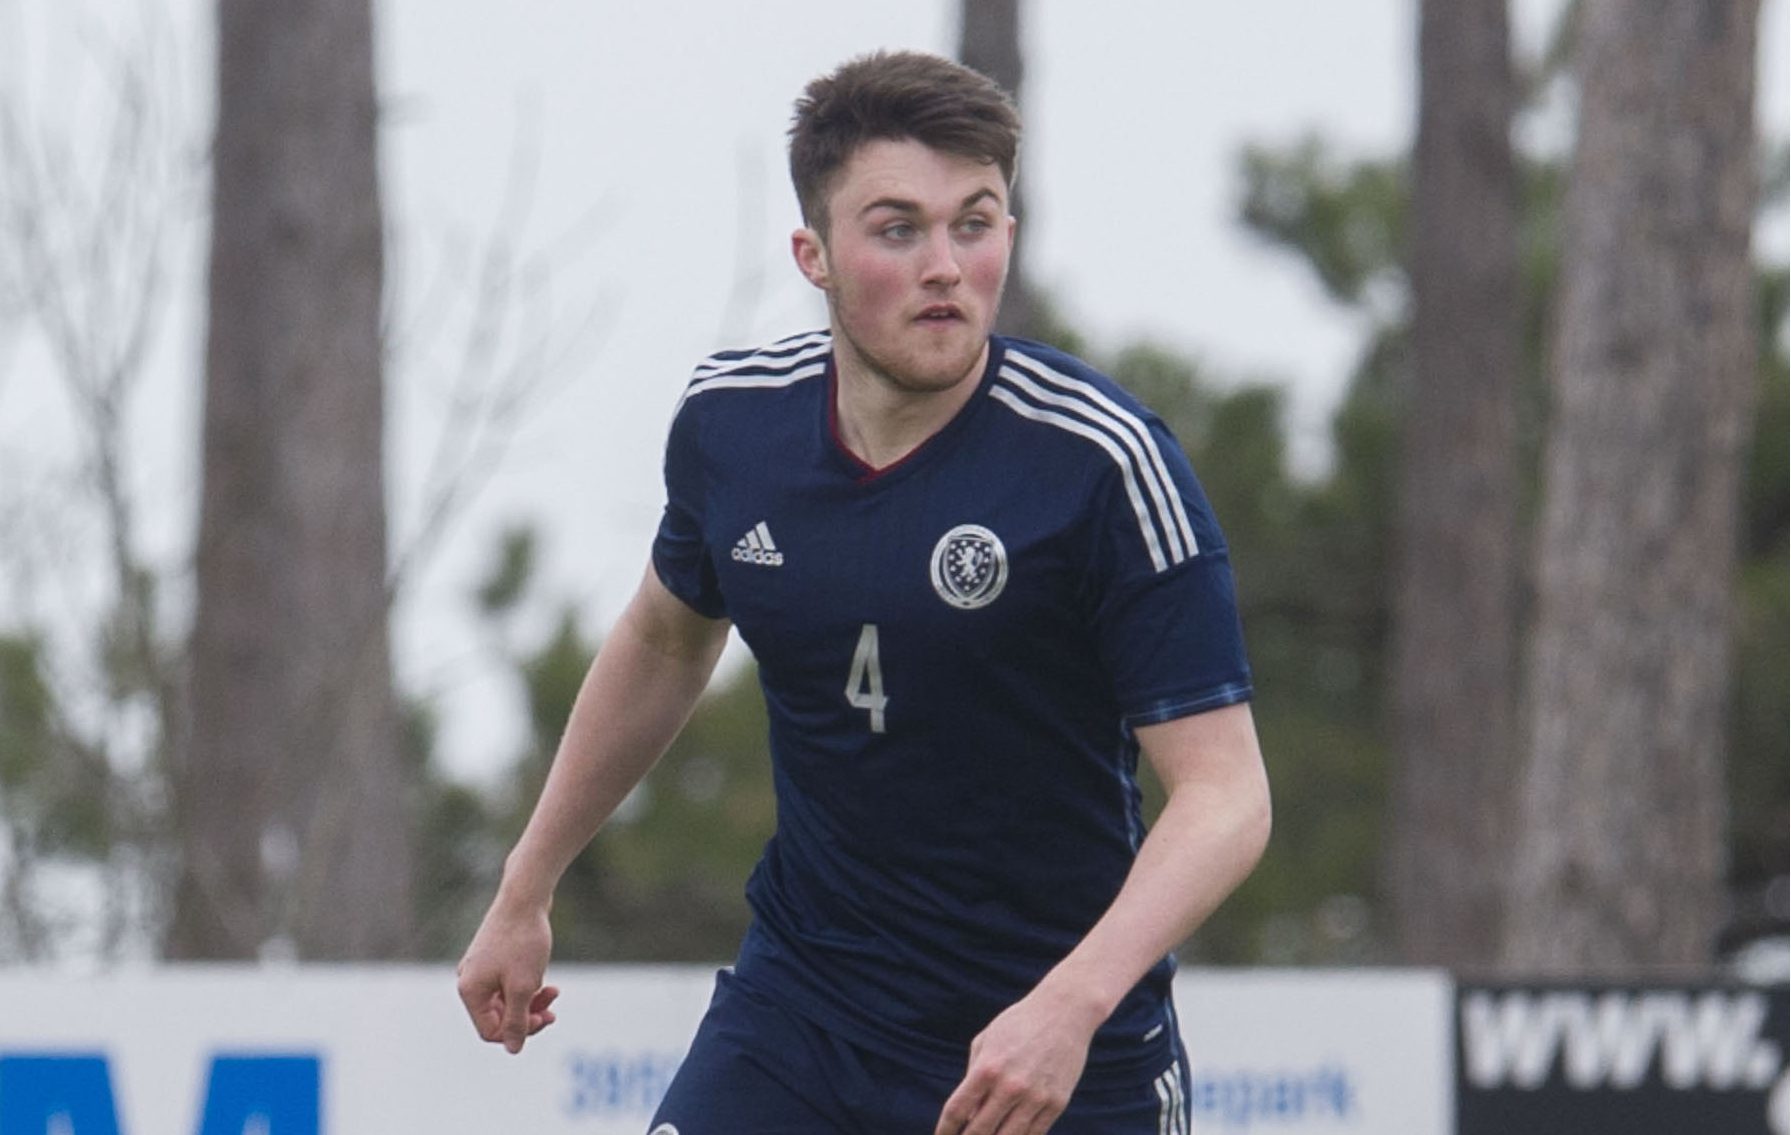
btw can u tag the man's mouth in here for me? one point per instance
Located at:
(940, 313)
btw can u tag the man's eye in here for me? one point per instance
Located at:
(899, 231)
(975, 225)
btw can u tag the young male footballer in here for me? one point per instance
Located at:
(979, 580)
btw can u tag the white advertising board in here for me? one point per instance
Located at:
(1303, 1052)
(391, 1049)
(387, 1050)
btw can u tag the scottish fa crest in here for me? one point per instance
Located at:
(969, 566)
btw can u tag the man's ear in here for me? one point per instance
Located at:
(810, 252)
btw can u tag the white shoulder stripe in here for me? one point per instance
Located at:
(1133, 431)
(784, 363)
(1081, 428)
(782, 353)
(729, 380)
(1141, 457)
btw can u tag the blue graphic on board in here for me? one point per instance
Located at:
(71, 1093)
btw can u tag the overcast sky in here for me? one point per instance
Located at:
(636, 150)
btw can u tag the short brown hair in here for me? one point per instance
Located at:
(896, 95)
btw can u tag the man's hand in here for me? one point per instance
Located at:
(501, 974)
(1023, 1068)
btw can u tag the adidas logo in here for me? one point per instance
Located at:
(757, 547)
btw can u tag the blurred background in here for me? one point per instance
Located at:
(337, 345)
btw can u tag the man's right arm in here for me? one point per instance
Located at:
(638, 694)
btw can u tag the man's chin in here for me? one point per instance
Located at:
(934, 375)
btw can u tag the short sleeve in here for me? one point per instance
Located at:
(1165, 611)
(680, 550)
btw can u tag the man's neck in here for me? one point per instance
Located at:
(881, 422)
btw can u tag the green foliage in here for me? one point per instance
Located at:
(1543, 186)
(1170, 384)
(698, 824)
(55, 793)
(510, 573)
(1051, 328)
(127, 640)
(1759, 737)
(584, 918)
(26, 739)
(1346, 221)
(552, 677)
(459, 845)
(1764, 506)
(463, 832)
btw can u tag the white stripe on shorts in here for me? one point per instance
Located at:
(1172, 1105)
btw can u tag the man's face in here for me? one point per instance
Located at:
(913, 262)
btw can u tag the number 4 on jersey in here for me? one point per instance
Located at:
(864, 686)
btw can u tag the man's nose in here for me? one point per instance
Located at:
(940, 267)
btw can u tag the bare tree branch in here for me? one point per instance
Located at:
(87, 224)
(516, 352)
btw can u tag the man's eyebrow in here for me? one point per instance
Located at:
(903, 205)
(899, 204)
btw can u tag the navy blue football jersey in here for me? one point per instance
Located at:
(954, 651)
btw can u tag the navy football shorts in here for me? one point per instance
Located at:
(755, 1068)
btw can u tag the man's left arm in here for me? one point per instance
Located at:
(1210, 835)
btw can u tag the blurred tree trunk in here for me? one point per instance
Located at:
(1457, 555)
(1620, 847)
(293, 835)
(989, 42)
